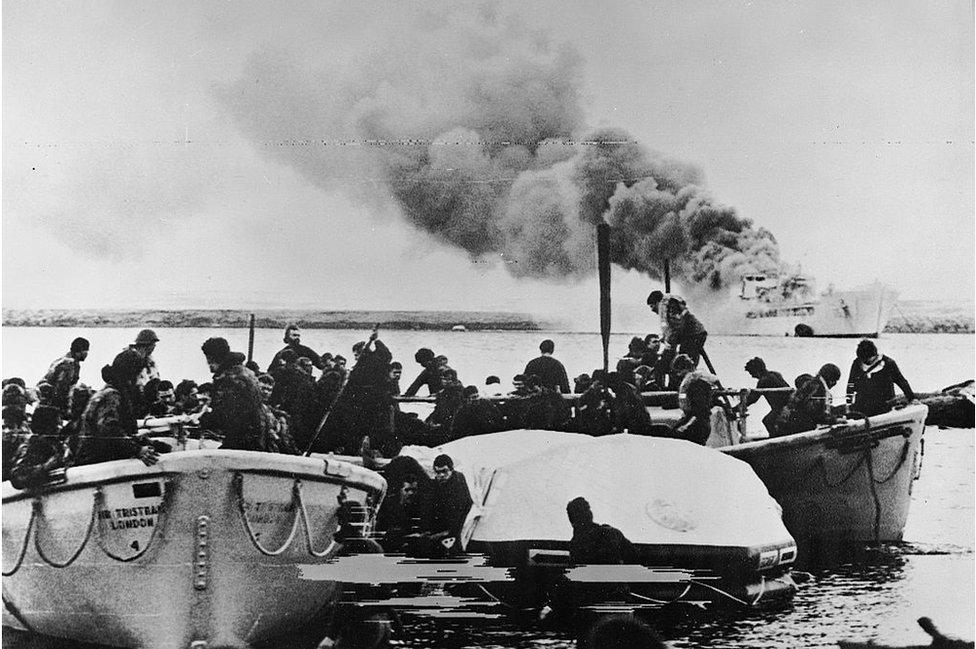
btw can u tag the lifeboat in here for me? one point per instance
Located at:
(201, 549)
(704, 526)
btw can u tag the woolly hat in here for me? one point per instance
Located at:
(80, 345)
(146, 337)
(215, 348)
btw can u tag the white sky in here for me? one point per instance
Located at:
(846, 128)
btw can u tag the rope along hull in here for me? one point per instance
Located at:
(202, 547)
(848, 483)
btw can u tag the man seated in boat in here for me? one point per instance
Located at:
(165, 401)
(695, 398)
(406, 509)
(450, 501)
(596, 543)
(277, 421)
(235, 406)
(811, 405)
(871, 383)
(43, 456)
(765, 378)
(475, 416)
(108, 425)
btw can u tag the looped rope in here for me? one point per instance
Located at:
(23, 549)
(239, 483)
(308, 525)
(161, 519)
(84, 542)
(901, 462)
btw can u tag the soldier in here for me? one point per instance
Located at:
(65, 371)
(235, 401)
(108, 425)
(430, 376)
(873, 377)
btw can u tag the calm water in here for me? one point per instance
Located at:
(876, 594)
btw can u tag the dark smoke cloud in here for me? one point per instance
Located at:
(471, 126)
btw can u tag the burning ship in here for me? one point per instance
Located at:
(767, 305)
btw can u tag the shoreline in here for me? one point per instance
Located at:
(922, 321)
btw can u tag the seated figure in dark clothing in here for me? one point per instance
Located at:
(43, 456)
(450, 502)
(475, 416)
(873, 377)
(405, 510)
(593, 543)
(696, 392)
(810, 405)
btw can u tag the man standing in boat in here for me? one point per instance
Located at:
(551, 373)
(429, 376)
(236, 400)
(65, 371)
(293, 341)
(681, 331)
(144, 346)
(872, 381)
(756, 367)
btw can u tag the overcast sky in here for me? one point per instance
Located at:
(154, 154)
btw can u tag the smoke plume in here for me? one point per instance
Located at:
(471, 126)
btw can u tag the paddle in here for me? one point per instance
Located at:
(603, 267)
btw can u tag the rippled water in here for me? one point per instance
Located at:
(874, 594)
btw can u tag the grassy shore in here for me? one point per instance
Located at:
(908, 317)
(277, 319)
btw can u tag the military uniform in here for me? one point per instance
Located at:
(236, 409)
(108, 428)
(62, 375)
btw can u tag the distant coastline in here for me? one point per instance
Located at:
(270, 319)
(909, 317)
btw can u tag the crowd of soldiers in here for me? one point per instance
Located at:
(355, 411)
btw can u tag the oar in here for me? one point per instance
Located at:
(325, 417)
(603, 267)
(250, 339)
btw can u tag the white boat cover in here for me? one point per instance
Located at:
(655, 490)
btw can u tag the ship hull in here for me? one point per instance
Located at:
(861, 313)
(198, 550)
(847, 483)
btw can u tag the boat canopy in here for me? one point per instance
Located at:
(654, 490)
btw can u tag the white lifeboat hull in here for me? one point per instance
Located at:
(199, 550)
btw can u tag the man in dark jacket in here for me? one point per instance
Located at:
(108, 425)
(551, 373)
(365, 407)
(810, 405)
(756, 367)
(65, 371)
(593, 543)
(235, 401)
(430, 376)
(872, 381)
(43, 456)
(294, 392)
(449, 505)
(293, 341)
